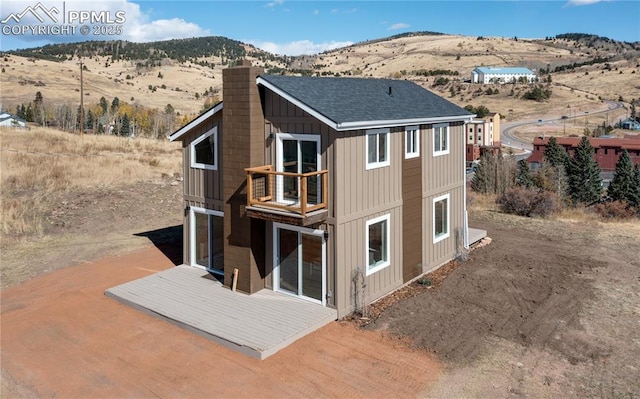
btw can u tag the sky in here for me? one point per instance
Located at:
(307, 27)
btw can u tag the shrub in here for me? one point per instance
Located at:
(529, 202)
(614, 210)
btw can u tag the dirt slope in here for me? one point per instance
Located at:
(549, 309)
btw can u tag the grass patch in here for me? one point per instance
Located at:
(39, 164)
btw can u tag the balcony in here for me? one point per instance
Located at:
(292, 198)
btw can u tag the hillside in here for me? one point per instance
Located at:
(584, 69)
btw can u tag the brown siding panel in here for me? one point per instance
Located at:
(443, 174)
(412, 215)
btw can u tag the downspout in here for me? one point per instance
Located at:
(465, 216)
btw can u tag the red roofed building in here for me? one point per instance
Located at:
(607, 150)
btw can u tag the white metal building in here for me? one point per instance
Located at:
(501, 75)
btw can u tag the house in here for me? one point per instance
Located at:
(303, 184)
(9, 120)
(607, 151)
(630, 124)
(482, 134)
(501, 75)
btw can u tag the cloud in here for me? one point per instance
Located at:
(274, 3)
(399, 25)
(298, 47)
(140, 28)
(164, 29)
(583, 2)
(137, 26)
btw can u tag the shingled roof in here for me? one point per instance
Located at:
(356, 103)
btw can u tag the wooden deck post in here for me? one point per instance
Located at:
(250, 187)
(303, 194)
(325, 189)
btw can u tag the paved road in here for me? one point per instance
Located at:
(510, 140)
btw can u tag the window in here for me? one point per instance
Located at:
(440, 218)
(377, 147)
(412, 142)
(377, 244)
(440, 139)
(206, 239)
(203, 151)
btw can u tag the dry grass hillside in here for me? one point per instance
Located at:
(182, 84)
(68, 198)
(581, 88)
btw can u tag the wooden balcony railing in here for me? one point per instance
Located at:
(300, 193)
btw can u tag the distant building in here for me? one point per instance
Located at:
(482, 135)
(6, 119)
(501, 75)
(607, 151)
(630, 124)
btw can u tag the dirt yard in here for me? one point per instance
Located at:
(549, 309)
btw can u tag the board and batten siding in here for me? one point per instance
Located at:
(442, 175)
(363, 195)
(412, 214)
(202, 188)
(281, 116)
(202, 184)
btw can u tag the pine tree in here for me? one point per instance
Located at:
(524, 177)
(115, 104)
(484, 179)
(554, 153)
(634, 197)
(103, 105)
(88, 123)
(621, 187)
(28, 113)
(585, 183)
(124, 126)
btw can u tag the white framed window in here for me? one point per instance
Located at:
(203, 150)
(377, 243)
(377, 147)
(411, 142)
(441, 218)
(440, 139)
(206, 242)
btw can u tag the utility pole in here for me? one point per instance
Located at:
(81, 99)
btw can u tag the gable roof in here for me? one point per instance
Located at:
(359, 103)
(198, 120)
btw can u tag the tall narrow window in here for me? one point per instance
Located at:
(412, 142)
(203, 151)
(440, 218)
(440, 139)
(377, 147)
(377, 244)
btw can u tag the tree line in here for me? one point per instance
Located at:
(105, 117)
(561, 181)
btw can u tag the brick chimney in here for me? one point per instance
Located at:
(243, 146)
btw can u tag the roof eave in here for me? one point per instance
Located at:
(401, 122)
(198, 120)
